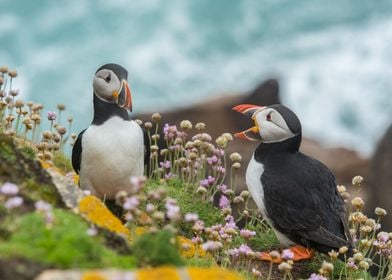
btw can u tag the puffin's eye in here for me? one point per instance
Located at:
(108, 78)
(269, 118)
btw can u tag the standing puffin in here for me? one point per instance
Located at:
(295, 193)
(112, 148)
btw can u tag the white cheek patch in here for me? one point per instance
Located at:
(274, 130)
(103, 89)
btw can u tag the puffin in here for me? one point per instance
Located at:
(114, 147)
(296, 194)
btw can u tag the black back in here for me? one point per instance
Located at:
(301, 197)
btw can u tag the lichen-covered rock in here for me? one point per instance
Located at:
(19, 166)
(163, 273)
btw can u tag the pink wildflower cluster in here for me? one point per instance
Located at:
(9, 192)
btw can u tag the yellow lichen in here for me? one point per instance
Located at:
(47, 165)
(93, 275)
(161, 273)
(189, 249)
(196, 273)
(97, 213)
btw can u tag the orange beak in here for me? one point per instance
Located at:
(124, 98)
(253, 133)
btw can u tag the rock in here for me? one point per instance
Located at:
(380, 179)
(70, 193)
(20, 269)
(163, 272)
(19, 166)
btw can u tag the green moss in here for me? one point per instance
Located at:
(155, 249)
(18, 165)
(315, 263)
(201, 262)
(189, 202)
(263, 240)
(37, 191)
(62, 162)
(65, 244)
(6, 148)
(28, 152)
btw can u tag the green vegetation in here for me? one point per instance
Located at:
(157, 248)
(64, 244)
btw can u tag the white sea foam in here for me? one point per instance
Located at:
(333, 61)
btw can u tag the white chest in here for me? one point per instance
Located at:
(111, 154)
(253, 180)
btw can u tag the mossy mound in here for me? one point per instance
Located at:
(63, 244)
(19, 166)
(189, 203)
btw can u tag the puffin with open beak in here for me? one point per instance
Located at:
(113, 148)
(296, 194)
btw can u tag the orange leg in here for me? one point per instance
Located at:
(267, 258)
(300, 253)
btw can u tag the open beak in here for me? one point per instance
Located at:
(253, 133)
(123, 98)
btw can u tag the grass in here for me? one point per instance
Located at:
(156, 249)
(65, 244)
(189, 203)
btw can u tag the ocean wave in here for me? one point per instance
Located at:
(333, 60)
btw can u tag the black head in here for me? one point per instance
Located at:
(120, 71)
(274, 124)
(111, 86)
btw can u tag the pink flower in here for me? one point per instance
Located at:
(224, 202)
(49, 217)
(169, 131)
(287, 254)
(52, 116)
(165, 164)
(243, 250)
(191, 217)
(204, 183)
(9, 189)
(170, 176)
(222, 188)
(383, 236)
(220, 169)
(137, 183)
(172, 209)
(246, 233)
(150, 207)
(315, 276)
(43, 206)
(212, 160)
(198, 226)
(211, 246)
(219, 152)
(13, 202)
(131, 203)
(197, 240)
(92, 231)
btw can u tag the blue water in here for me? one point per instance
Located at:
(333, 58)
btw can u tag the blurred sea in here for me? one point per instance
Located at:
(333, 58)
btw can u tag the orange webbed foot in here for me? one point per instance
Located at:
(299, 253)
(268, 257)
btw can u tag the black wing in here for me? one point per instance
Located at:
(147, 146)
(304, 204)
(77, 153)
(147, 152)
